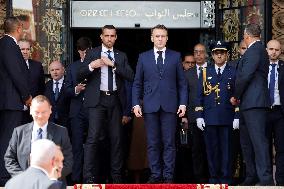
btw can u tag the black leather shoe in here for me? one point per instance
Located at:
(249, 182)
(154, 180)
(90, 180)
(117, 180)
(168, 181)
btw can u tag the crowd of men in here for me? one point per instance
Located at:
(233, 109)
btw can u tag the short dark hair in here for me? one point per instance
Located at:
(253, 30)
(159, 26)
(110, 27)
(23, 17)
(84, 43)
(11, 24)
(187, 54)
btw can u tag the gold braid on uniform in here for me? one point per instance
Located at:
(208, 88)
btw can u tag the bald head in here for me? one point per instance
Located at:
(56, 70)
(274, 50)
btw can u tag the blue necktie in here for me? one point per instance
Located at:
(56, 92)
(272, 83)
(160, 61)
(110, 74)
(39, 134)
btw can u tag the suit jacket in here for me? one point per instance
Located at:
(234, 63)
(18, 152)
(281, 83)
(251, 80)
(14, 88)
(32, 178)
(76, 101)
(122, 72)
(192, 82)
(219, 112)
(166, 90)
(61, 105)
(36, 78)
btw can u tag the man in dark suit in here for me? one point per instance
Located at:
(44, 168)
(199, 158)
(188, 61)
(18, 152)
(56, 93)
(214, 110)
(160, 81)
(78, 114)
(252, 93)
(275, 122)
(36, 75)
(105, 69)
(14, 88)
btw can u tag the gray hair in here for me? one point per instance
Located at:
(42, 152)
(253, 30)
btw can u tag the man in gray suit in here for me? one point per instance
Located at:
(44, 162)
(17, 154)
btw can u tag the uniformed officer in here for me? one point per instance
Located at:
(216, 112)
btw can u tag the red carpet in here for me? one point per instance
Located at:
(150, 186)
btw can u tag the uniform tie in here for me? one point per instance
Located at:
(272, 83)
(219, 72)
(110, 73)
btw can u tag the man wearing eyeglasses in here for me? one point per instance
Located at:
(199, 160)
(188, 61)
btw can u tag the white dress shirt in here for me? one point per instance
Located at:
(276, 90)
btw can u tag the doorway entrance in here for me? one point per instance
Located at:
(135, 41)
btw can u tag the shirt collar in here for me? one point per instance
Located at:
(164, 49)
(222, 67)
(36, 127)
(40, 168)
(203, 65)
(13, 38)
(60, 81)
(252, 43)
(104, 49)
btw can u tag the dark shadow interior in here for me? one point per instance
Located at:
(135, 41)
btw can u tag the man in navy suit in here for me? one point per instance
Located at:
(216, 112)
(56, 93)
(78, 114)
(14, 88)
(105, 69)
(160, 82)
(252, 92)
(275, 122)
(36, 75)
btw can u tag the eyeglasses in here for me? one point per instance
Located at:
(199, 51)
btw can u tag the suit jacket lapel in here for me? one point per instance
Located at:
(280, 71)
(28, 136)
(50, 131)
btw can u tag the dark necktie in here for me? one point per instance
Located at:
(56, 92)
(200, 72)
(160, 61)
(110, 74)
(39, 134)
(272, 83)
(219, 72)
